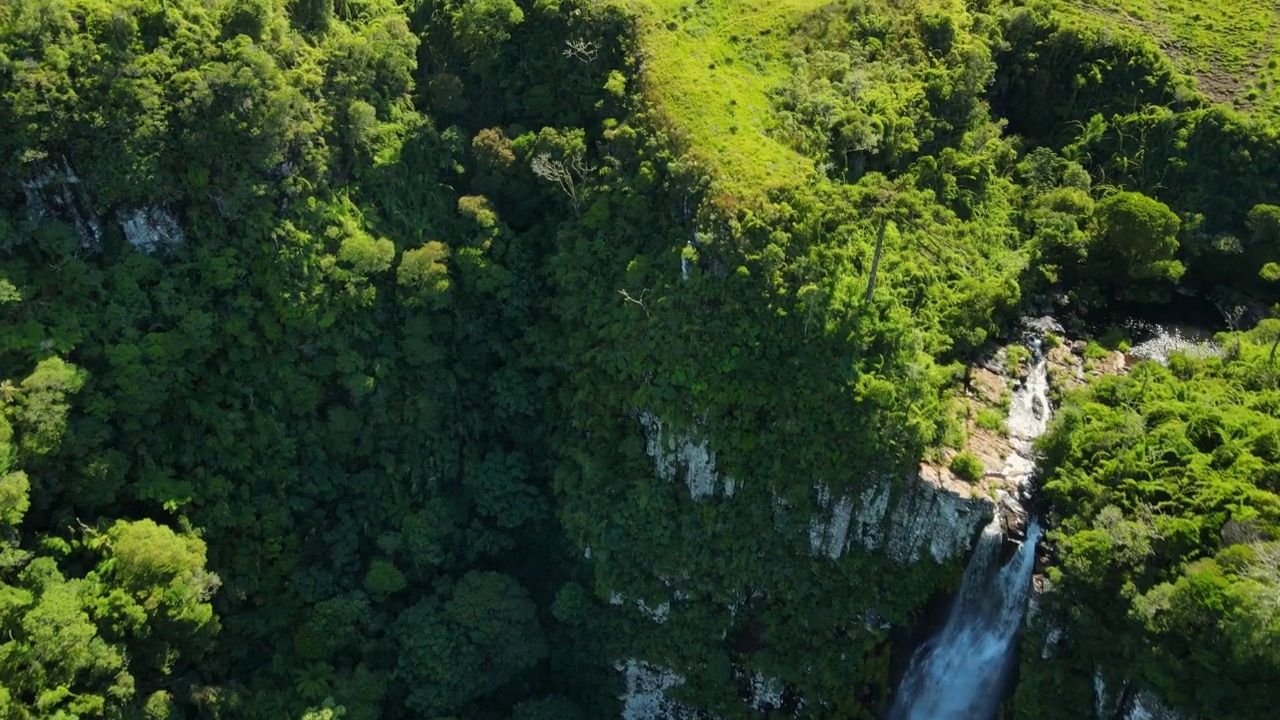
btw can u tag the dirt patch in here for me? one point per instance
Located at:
(987, 387)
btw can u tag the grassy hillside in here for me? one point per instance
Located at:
(1232, 47)
(709, 68)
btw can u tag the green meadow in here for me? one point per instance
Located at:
(709, 68)
(1231, 47)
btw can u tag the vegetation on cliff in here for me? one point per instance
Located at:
(425, 358)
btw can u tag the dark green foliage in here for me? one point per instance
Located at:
(1054, 71)
(323, 374)
(452, 652)
(327, 329)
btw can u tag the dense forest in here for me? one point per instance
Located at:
(526, 359)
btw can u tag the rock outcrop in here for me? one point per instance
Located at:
(645, 696)
(56, 192)
(682, 456)
(151, 228)
(929, 513)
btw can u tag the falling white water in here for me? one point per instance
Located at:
(961, 673)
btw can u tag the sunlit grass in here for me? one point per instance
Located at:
(1231, 46)
(710, 66)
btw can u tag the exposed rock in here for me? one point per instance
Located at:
(151, 228)
(1039, 586)
(1013, 517)
(645, 696)
(1113, 364)
(1145, 706)
(927, 515)
(766, 693)
(988, 385)
(829, 528)
(1104, 706)
(873, 621)
(1129, 704)
(1238, 308)
(658, 613)
(58, 193)
(1043, 325)
(930, 512)
(868, 522)
(680, 454)
(1051, 639)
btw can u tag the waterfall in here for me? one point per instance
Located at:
(961, 673)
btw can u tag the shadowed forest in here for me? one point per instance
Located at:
(471, 359)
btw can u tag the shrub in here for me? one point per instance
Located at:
(991, 419)
(967, 466)
(1094, 351)
(1014, 356)
(1115, 338)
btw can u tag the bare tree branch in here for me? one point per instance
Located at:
(582, 49)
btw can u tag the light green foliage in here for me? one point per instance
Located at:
(1141, 233)
(710, 72)
(79, 645)
(423, 275)
(41, 412)
(364, 253)
(991, 419)
(15, 497)
(157, 565)
(480, 26)
(1015, 356)
(967, 466)
(1093, 350)
(1228, 45)
(326, 711)
(1164, 484)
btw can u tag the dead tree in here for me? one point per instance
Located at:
(566, 172)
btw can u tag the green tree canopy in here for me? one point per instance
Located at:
(1140, 232)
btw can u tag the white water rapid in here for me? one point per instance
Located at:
(961, 673)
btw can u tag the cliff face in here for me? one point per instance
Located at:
(928, 514)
